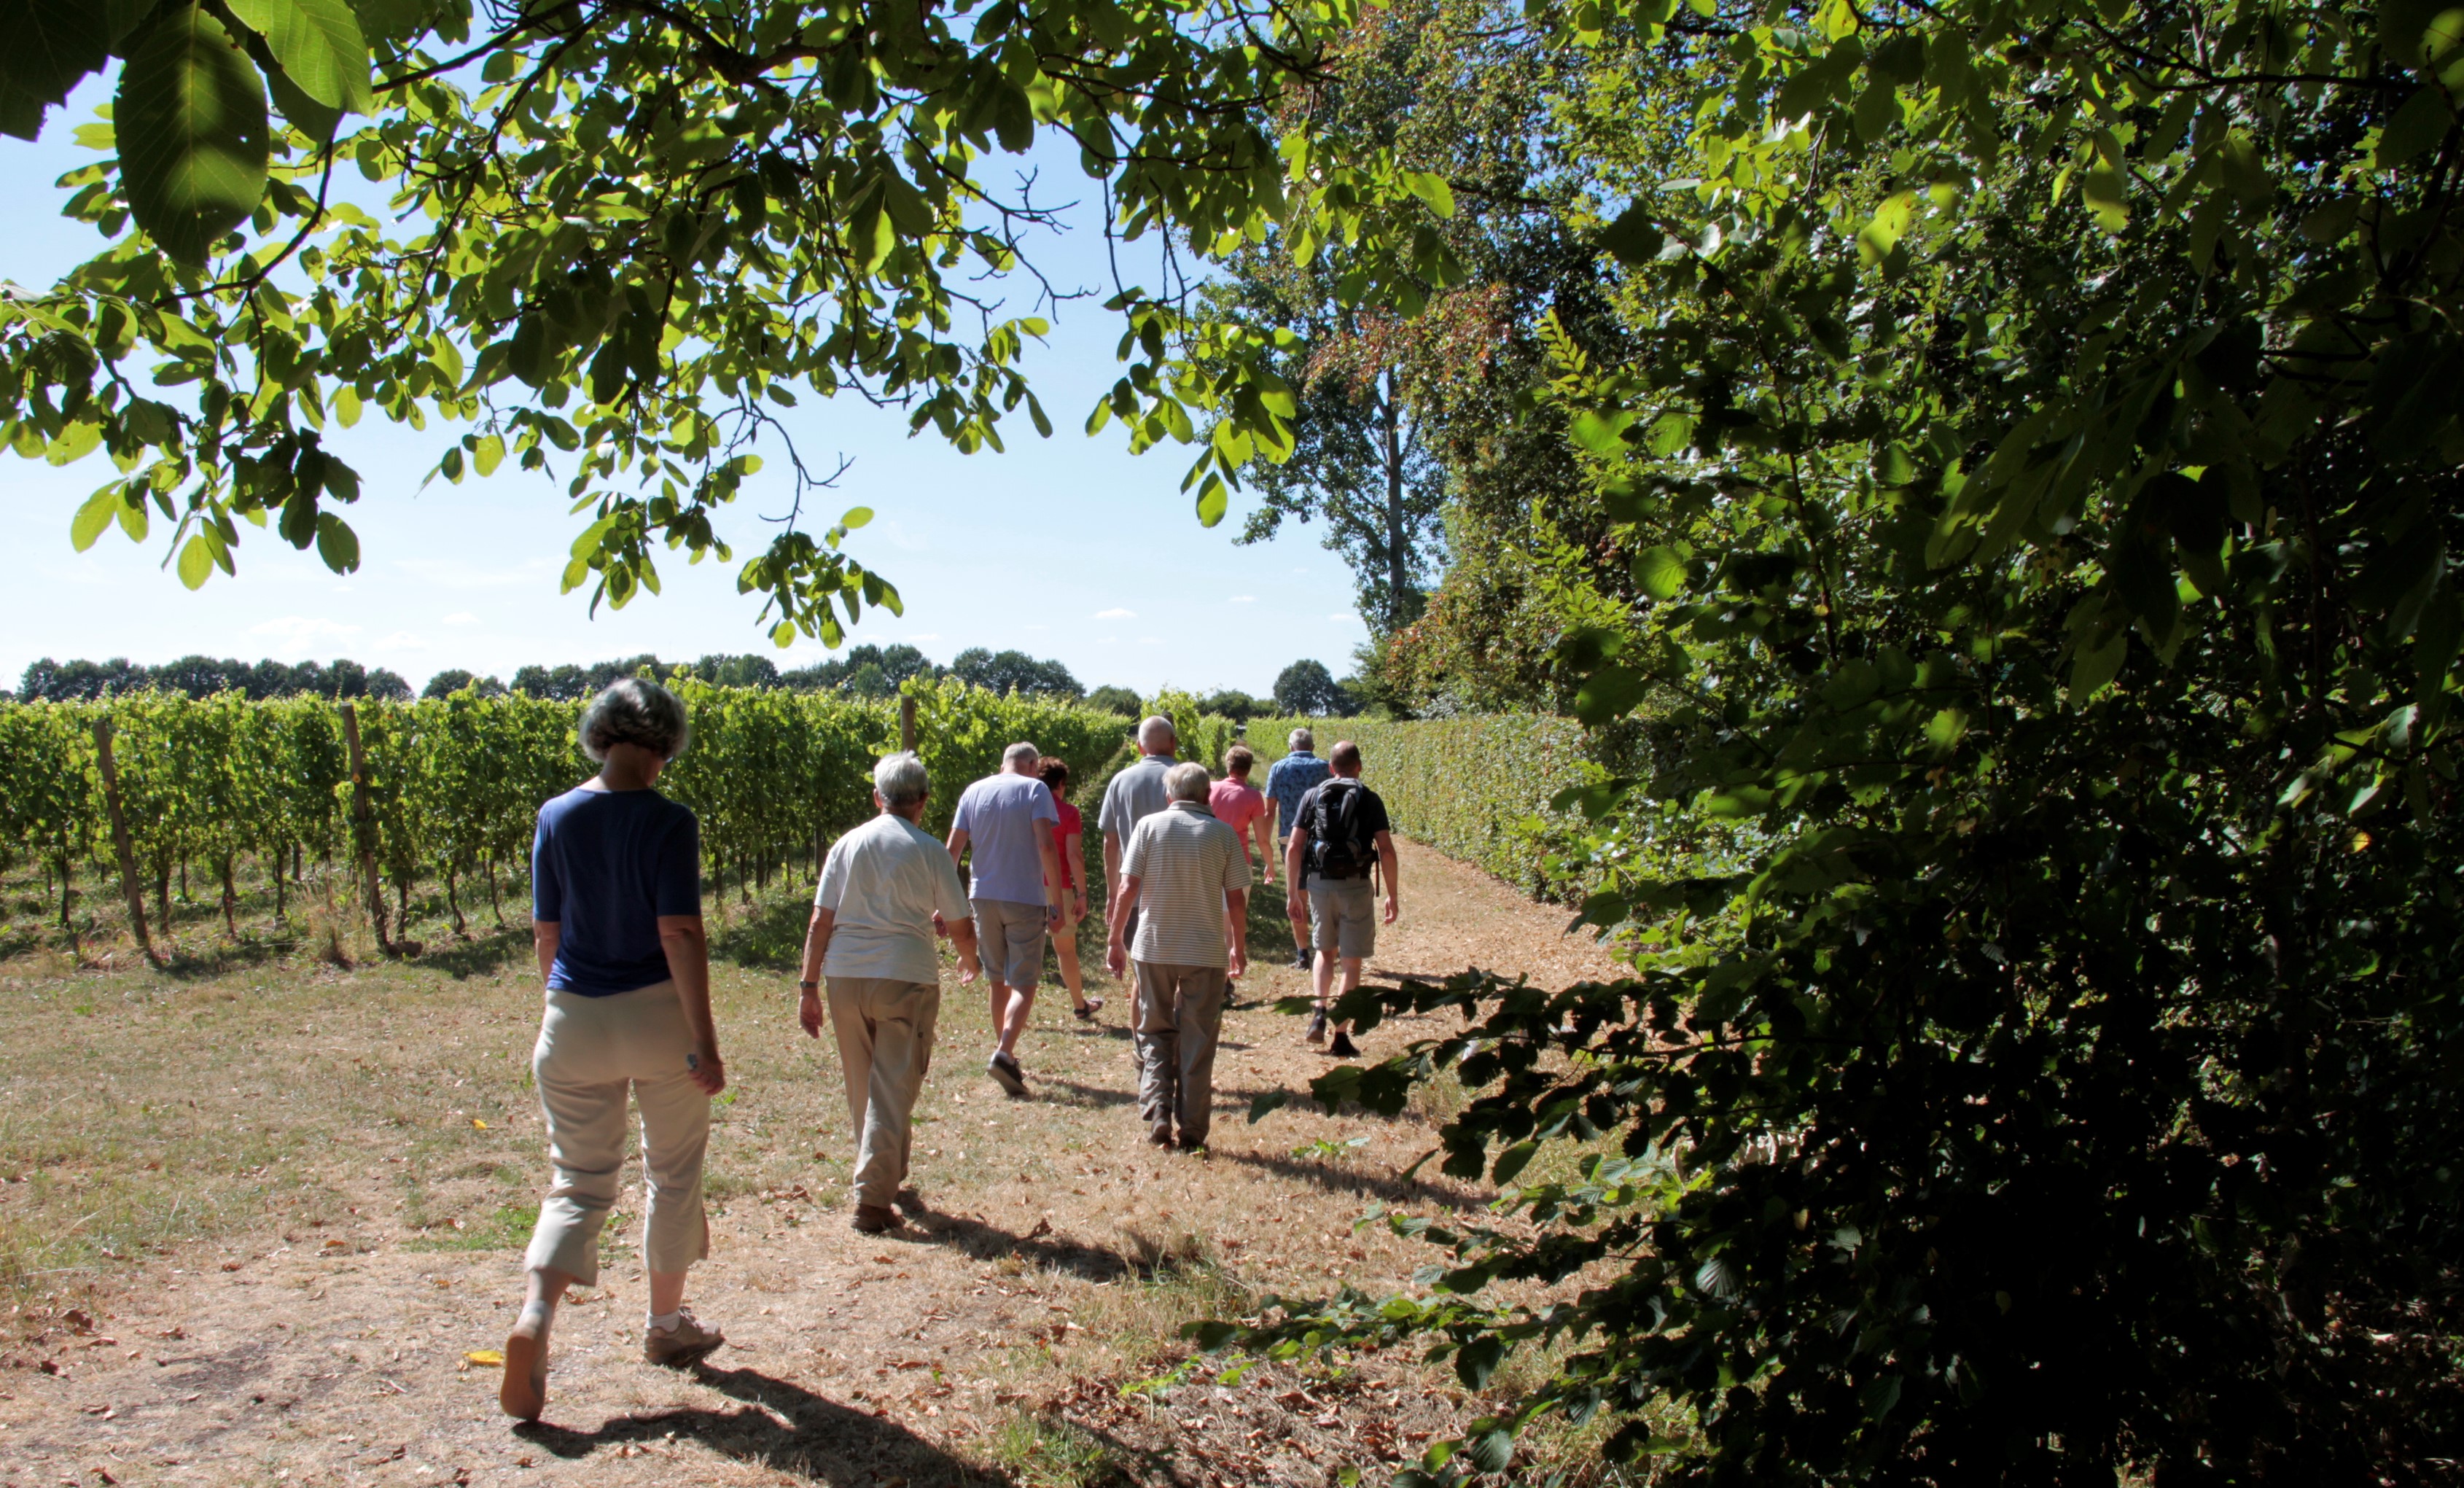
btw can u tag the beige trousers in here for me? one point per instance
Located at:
(885, 1032)
(591, 1050)
(1179, 1016)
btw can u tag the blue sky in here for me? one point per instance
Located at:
(1068, 547)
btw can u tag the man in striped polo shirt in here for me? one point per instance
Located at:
(1187, 876)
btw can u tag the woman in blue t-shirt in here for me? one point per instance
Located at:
(616, 920)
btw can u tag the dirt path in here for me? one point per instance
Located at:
(988, 1342)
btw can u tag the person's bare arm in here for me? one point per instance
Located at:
(1111, 868)
(817, 947)
(1387, 864)
(1293, 854)
(1056, 902)
(963, 940)
(1117, 951)
(1236, 910)
(547, 935)
(1264, 835)
(958, 846)
(1072, 849)
(687, 946)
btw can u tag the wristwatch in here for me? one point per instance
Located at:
(810, 985)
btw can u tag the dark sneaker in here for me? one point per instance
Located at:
(687, 1343)
(1160, 1136)
(874, 1219)
(1342, 1048)
(1189, 1144)
(1007, 1074)
(1301, 956)
(1317, 1027)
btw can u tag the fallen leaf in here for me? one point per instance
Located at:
(490, 1357)
(479, 1125)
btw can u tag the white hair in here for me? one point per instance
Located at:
(1301, 739)
(900, 778)
(1019, 756)
(1187, 781)
(635, 712)
(1156, 734)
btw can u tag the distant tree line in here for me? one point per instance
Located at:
(202, 676)
(1304, 688)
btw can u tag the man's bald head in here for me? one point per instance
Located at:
(1155, 736)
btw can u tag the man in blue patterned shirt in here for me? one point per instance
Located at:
(1294, 776)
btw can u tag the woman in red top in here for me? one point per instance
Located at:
(1069, 839)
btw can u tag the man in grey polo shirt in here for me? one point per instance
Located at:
(1134, 794)
(1008, 820)
(1190, 875)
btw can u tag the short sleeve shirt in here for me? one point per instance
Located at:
(1134, 794)
(1373, 813)
(605, 865)
(883, 883)
(1235, 803)
(1185, 861)
(1290, 778)
(1072, 825)
(998, 813)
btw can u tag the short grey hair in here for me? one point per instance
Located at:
(1154, 730)
(900, 778)
(635, 712)
(1187, 782)
(1021, 753)
(1301, 739)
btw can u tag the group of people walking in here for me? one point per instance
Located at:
(622, 949)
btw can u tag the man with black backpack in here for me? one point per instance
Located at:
(1339, 838)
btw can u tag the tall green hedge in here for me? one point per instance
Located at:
(1474, 788)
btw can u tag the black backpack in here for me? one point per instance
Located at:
(1340, 845)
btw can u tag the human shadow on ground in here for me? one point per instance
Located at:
(982, 1240)
(482, 956)
(783, 1428)
(1393, 1188)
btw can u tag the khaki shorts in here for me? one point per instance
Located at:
(1343, 917)
(1009, 938)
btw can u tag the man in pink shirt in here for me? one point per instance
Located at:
(1242, 807)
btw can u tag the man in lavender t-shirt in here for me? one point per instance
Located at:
(1008, 820)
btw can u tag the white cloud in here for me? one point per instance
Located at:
(1245, 599)
(456, 574)
(900, 538)
(461, 617)
(404, 640)
(301, 631)
(924, 635)
(1116, 614)
(1343, 615)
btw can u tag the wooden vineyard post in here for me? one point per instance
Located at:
(907, 723)
(128, 883)
(364, 830)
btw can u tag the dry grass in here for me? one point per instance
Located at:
(179, 1148)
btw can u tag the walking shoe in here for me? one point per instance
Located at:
(910, 1201)
(1300, 958)
(1085, 1012)
(1007, 1073)
(687, 1343)
(1160, 1136)
(523, 1394)
(1317, 1027)
(874, 1219)
(1342, 1047)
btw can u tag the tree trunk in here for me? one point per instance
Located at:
(66, 894)
(297, 877)
(364, 828)
(496, 907)
(453, 904)
(231, 900)
(163, 894)
(1399, 567)
(274, 866)
(183, 879)
(122, 851)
